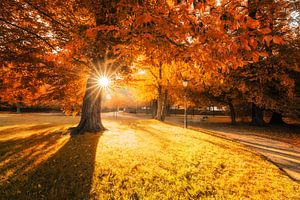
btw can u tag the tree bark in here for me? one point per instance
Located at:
(168, 108)
(164, 106)
(232, 113)
(18, 105)
(160, 115)
(159, 104)
(154, 108)
(276, 119)
(257, 116)
(91, 110)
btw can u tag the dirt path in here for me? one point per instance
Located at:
(284, 155)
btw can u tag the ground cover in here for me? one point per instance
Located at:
(134, 159)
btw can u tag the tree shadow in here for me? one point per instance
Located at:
(54, 166)
(23, 127)
(28, 149)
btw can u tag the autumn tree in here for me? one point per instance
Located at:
(252, 82)
(267, 84)
(58, 47)
(203, 37)
(152, 84)
(75, 37)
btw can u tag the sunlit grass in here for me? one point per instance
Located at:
(132, 160)
(152, 160)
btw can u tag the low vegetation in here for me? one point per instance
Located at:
(134, 159)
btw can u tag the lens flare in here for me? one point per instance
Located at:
(103, 82)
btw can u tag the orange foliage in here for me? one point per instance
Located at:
(50, 48)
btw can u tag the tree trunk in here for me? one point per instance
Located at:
(164, 106)
(160, 100)
(154, 108)
(276, 119)
(161, 105)
(18, 107)
(91, 110)
(167, 104)
(257, 116)
(168, 109)
(232, 113)
(159, 111)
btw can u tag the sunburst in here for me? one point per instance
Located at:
(104, 81)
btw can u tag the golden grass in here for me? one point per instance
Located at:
(167, 162)
(135, 160)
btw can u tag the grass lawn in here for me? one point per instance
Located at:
(134, 159)
(289, 133)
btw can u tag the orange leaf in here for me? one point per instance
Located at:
(147, 18)
(245, 44)
(252, 23)
(263, 54)
(265, 30)
(255, 56)
(243, 87)
(253, 42)
(278, 39)
(91, 32)
(267, 39)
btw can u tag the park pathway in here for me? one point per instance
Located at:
(284, 155)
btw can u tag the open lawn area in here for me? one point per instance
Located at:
(279, 144)
(133, 159)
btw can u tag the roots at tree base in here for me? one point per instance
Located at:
(276, 119)
(86, 126)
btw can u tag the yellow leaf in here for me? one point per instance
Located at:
(171, 3)
(263, 54)
(74, 113)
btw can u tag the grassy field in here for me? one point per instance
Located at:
(134, 159)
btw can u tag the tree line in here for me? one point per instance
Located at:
(231, 52)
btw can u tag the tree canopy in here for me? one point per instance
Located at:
(53, 52)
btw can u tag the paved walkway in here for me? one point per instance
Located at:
(284, 155)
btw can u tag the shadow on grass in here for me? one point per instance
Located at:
(48, 165)
(33, 127)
